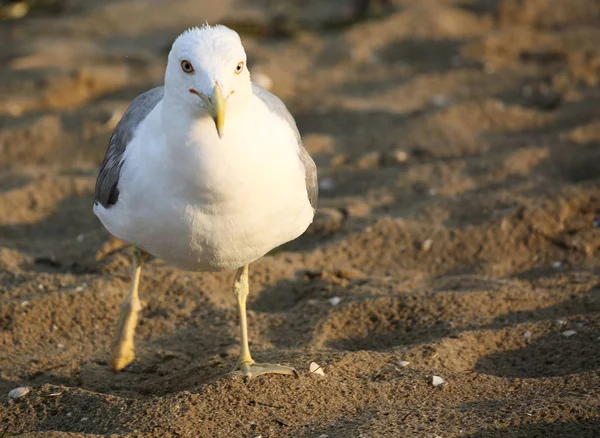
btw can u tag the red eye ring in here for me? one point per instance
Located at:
(187, 66)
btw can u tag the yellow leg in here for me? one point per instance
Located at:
(123, 353)
(246, 365)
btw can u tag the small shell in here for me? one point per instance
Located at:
(426, 245)
(315, 368)
(400, 156)
(326, 184)
(437, 381)
(568, 333)
(402, 363)
(334, 301)
(18, 392)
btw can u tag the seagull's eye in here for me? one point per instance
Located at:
(187, 66)
(239, 68)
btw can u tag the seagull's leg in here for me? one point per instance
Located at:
(123, 354)
(246, 365)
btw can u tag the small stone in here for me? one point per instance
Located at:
(568, 333)
(400, 155)
(527, 336)
(437, 381)
(24, 303)
(19, 392)
(323, 436)
(315, 368)
(80, 238)
(426, 245)
(560, 322)
(84, 419)
(326, 184)
(440, 100)
(402, 363)
(334, 301)
(556, 264)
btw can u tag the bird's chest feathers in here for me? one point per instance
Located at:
(251, 161)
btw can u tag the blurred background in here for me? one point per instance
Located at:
(457, 145)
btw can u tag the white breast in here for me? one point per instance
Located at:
(202, 203)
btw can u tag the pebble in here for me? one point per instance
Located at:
(326, 184)
(402, 363)
(19, 392)
(527, 336)
(568, 333)
(437, 381)
(334, 301)
(556, 264)
(426, 245)
(400, 156)
(315, 368)
(440, 100)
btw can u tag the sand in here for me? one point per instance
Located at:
(458, 150)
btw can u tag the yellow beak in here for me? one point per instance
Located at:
(218, 103)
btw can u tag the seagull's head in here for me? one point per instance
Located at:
(207, 70)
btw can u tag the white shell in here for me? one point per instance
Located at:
(326, 184)
(335, 301)
(315, 368)
(568, 333)
(426, 245)
(18, 392)
(437, 381)
(402, 363)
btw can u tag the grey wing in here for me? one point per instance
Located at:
(107, 192)
(278, 107)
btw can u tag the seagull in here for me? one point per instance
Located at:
(207, 173)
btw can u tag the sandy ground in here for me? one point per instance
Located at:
(458, 151)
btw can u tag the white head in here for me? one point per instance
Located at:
(207, 71)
